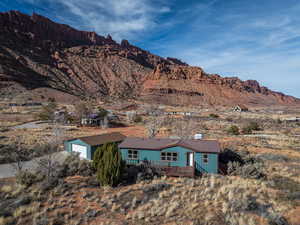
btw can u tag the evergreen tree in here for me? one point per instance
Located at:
(109, 164)
(98, 155)
(47, 112)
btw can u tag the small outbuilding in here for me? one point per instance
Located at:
(292, 119)
(86, 146)
(240, 108)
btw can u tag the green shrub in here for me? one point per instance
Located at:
(73, 165)
(254, 126)
(70, 118)
(137, 119)
(229, 119)
(98, 155)
(242, 164)
(233, 130)
(47, 112)
(212, 115)
(51, 100)
(27, 178)
(3, 129)
(247, 130)
(284, 184)
(102, 112)
(247, 170)
(109, 164)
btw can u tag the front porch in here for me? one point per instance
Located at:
(163, 167)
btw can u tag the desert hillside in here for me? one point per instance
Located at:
(36, 52)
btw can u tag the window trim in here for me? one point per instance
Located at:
(205, 158)
(169, 156)
(131, 153)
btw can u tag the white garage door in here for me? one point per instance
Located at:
(82, 150)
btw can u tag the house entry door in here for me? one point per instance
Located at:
(190, 159)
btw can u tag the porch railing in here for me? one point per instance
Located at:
(163, 167)
(148, 163)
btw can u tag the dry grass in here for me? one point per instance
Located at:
(7, 188)
(6, 220)
(211, 199)
(24, 211)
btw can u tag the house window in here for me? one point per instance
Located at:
(168, 156)
(205, 158)
(132, 154)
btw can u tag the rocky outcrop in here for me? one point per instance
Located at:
(39, 28)
(177, 84)
(36, 52)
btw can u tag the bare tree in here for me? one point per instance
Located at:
(48, 163)
(82, 109)
(104, 122)
(184, 128)
(153, 125)
(18, 154)
(130, 115)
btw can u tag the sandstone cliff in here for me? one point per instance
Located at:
(37, 52)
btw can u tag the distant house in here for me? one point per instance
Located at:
(92, 119)
(176, 157)
(86, 146)
(180, 113)
(292, 119)
(240, 108)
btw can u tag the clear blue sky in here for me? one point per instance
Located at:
(257, 39)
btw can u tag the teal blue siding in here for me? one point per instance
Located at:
(182, 155)
(143, 154)
(210, 167)
(90, 149)
(154, 155)
(68, 147)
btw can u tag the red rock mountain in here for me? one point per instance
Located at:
(37, 52)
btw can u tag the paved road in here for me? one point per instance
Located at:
(7, 170)
(31, 125)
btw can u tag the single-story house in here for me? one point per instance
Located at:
(86, 146)
(196, 155)
(92, 119)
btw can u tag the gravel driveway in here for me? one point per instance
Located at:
(7, 170)
(32, 125)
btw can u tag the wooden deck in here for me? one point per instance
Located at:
(176, 171)
(165, 168)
